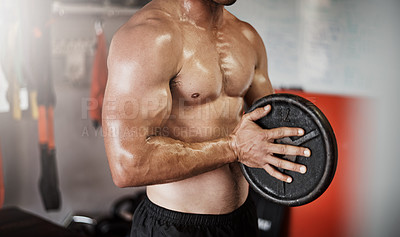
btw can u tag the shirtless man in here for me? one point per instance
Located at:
(180, 73)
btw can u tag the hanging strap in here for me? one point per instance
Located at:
(42, 81)
(2, 190)
(48, 182)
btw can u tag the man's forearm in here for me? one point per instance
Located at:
(163, 160)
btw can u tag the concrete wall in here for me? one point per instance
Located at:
(320, 46)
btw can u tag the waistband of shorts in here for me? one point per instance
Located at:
(195, 219)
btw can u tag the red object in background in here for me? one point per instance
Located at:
(99, 79)
(330, 214)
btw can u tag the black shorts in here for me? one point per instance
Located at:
(152, 220)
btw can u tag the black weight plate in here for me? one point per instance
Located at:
(288, 110)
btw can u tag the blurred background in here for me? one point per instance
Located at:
(343, 55)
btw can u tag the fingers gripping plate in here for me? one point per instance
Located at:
(289, 110)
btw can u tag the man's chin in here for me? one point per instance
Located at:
(225, 2)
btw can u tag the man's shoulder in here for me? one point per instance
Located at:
(149, 28)
(146, 25)
(150, 35)
(149, 18)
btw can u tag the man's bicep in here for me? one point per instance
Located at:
(261, 84)
(260, 87)
(143, 112)
(136, 102)
(140, 67)
(137, 97)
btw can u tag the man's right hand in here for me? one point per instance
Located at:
(255, 147)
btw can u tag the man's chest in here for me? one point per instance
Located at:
(214, 63)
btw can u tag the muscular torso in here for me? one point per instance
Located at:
(217, 68)
(207, 103)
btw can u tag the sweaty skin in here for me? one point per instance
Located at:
(180, 73)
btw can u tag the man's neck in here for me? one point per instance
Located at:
(203, 13)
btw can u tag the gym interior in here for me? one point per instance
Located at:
(340, 55)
